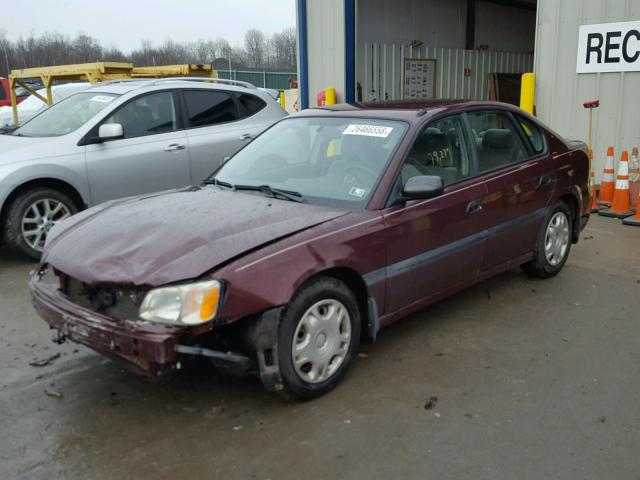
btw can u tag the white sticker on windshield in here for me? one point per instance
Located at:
(368, 130)
(357, 192)
(101, 98)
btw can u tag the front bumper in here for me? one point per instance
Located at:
(144, 347)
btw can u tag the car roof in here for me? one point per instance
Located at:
(412, 111)
(121, 87)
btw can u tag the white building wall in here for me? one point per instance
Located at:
(326, 47)
(561, 92)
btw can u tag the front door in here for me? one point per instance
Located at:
(511, 160)
(151, 156)
(436, 244)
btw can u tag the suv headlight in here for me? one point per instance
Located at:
(189, 304)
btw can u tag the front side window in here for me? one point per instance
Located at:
(330, 161)
(67, 115)
(147, 115)
(497, 142)
(441, 150)
(210, 107)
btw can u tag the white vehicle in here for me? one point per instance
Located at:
(119, 139)
(32, 105)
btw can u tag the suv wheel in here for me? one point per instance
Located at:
(30, 217)
(552, 247)
(317, 338)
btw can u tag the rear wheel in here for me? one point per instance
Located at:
(318, 335)
(553, 243)
(30, 217)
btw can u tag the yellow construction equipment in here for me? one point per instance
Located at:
(97, 72)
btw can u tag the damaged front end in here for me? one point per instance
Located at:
(84, 317)
(105, 319)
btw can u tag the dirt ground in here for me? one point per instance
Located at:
(534, 379)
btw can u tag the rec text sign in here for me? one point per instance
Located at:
(609, 47)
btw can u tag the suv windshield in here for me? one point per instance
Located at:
(66, 116)
(335, 161)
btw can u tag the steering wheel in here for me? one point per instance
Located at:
(361, 169)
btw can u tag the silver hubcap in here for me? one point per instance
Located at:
(321, 341)
(39, 218)
(556, 240)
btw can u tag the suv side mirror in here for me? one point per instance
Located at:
(110, 131)
(423, 187)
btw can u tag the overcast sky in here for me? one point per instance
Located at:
(123, 23)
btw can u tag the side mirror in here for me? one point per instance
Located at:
(110, 131)
(423, 187)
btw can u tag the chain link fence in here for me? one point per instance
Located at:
(261, 78)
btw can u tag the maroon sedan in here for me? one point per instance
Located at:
(332, 224)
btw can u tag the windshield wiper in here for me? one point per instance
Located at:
(266, 189)
(274, 192)
(215, 181)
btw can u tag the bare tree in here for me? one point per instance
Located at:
(255, 47)
(53, 48)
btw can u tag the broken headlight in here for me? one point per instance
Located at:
(188, 304)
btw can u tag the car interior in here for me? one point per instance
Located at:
(439, 150)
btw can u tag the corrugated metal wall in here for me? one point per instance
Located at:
(326, 47)
(561, 92)
(381, 77)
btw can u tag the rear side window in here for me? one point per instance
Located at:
(3, 94)
(206, 108)
(497, 141)
(533, 133)
(251, 103)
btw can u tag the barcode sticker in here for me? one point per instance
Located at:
(368, 130)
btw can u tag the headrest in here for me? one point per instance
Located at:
(497, 138)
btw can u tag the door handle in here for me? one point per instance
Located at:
(475, 206)
(173, 147)
(545, 181)
(246, 136)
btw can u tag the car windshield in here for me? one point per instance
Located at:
(66, 116)
(332, 161)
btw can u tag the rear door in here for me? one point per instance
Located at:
(151, 156)
(218, 126)
(511, 157)
(436, 244)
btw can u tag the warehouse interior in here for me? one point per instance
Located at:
(457, 44)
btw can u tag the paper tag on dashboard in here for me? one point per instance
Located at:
(368, 130)
(101, 98)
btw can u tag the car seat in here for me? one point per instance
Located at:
(498, 149)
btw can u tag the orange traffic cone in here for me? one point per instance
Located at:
(635, 221)
(634, 178)
(621, 203)
(608, 184)
(593, 204)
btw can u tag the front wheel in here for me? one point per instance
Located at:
(318, 335)
(30, 217)
(553, 244)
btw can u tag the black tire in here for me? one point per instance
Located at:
(540, 266)
(322, 288)
(12, 227)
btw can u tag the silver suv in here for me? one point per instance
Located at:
(118, 139)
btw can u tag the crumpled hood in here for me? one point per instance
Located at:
(171, 236)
